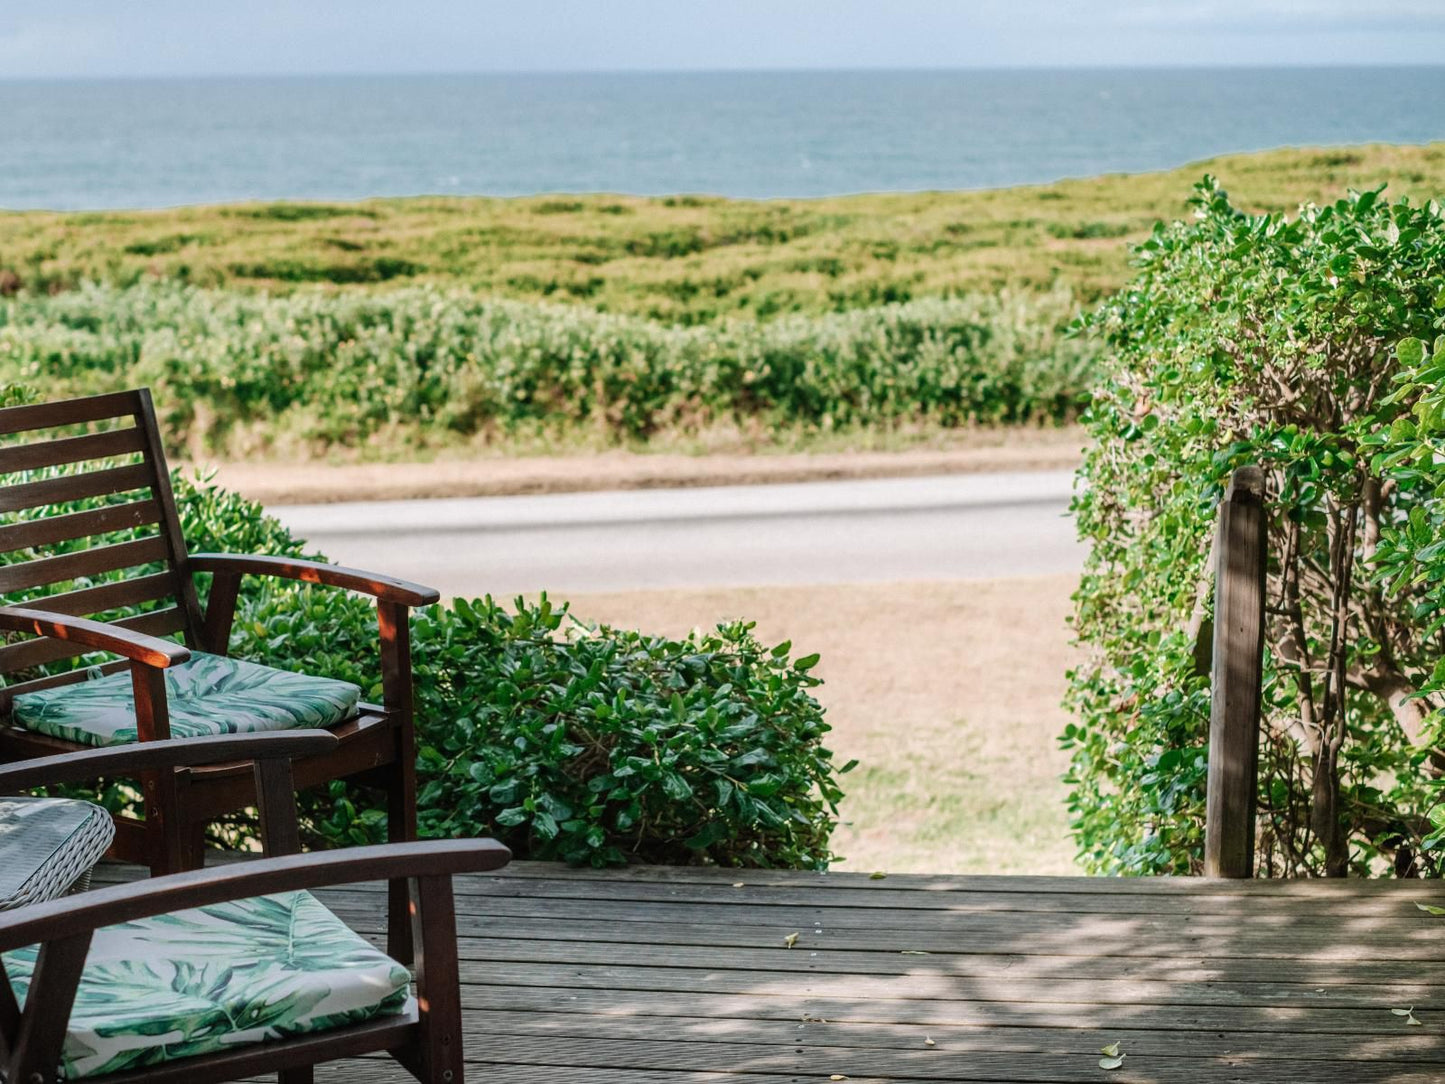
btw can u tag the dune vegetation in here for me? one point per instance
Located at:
(568, 321)
(690, 259)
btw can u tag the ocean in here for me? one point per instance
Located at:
(72, 145)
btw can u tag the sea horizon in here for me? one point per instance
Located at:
(821, 70)
(111, 143)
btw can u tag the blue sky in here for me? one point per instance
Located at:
(70, 38)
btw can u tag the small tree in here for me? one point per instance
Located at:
(1297, 344)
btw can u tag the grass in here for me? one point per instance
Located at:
(947, 694)
(688, 259)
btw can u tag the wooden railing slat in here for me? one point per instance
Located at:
(1239, 612)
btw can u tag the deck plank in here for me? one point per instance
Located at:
(650, 975)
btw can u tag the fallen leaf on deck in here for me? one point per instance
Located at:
(738, 884)
(790, 940)
(928, 1042)
(1111, 1063)
(877, 876)
(1408, 1014)
(912, 952)
(1429, 910)
(1112, 1050)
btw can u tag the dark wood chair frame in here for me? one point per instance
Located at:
(430, 1048)
(375, 747)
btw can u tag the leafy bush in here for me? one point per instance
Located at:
(1299, 344)
(609, 745)
(599, 745)
(237, 373)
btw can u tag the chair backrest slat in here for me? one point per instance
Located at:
(75, 487)
(43, 649)
(92, 408)
(73, 525)
(88, 525)
(92, 562)
(91, 601)
(55, 453)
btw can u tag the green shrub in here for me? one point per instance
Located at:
(593, 745)
(238, 373)
(606, 745)
(1299, 344)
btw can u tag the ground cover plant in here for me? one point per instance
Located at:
(1304, 344)
(409, 370)
(586, 744)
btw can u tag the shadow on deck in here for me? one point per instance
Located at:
(661, 974)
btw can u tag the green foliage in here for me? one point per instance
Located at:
(237, 373)
(601, 745)
(1298, 344)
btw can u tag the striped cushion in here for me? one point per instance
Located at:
(207, 694)
(46, 845)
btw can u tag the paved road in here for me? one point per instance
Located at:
(949, 527)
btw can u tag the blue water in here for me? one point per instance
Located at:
(155, 143)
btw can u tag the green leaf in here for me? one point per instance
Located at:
(1411, 352)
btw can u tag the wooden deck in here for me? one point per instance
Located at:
(579, 977)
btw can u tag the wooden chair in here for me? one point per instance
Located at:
(124, 550)
(207, 981)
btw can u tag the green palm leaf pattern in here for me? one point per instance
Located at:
(208, 694)
(203, 980)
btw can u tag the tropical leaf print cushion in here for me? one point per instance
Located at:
(207, 979)
(207, 694)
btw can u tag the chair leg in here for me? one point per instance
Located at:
(400, 828)
(195, 844)
(438, 984)
(167, 841)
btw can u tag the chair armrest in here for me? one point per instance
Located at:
(385, 588)
(158, 755)
(136, 646)
(71, 915)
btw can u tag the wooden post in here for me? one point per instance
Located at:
(1239, 593)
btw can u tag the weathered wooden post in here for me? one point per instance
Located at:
(1239, 593)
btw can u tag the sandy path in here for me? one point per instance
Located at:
(316, 483)
(947, 693)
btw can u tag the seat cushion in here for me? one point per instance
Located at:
(207, 694)
(208, 979)
(46, 845)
